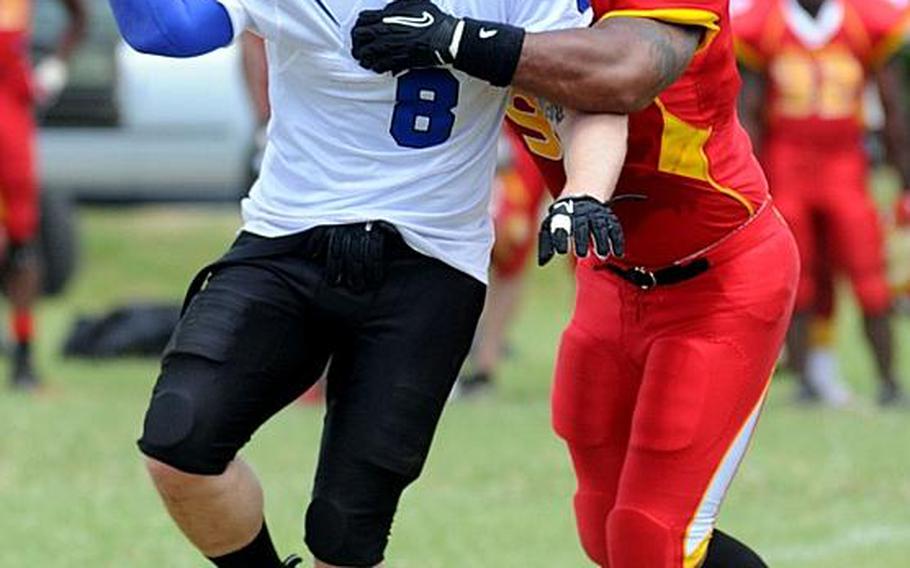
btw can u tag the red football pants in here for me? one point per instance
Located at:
(828, 187)
(18, 183)
(823, 273)
(657, 394)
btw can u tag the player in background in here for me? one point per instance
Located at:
(809, 62)
(20, 91)
(366, 240)
(664, 368)
(518, 196)
(822, 369)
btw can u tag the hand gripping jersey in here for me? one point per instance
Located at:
(347, 145)
(687, 154)
(817, 68)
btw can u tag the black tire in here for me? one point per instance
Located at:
(57, 243)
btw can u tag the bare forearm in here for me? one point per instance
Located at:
(255, 73)
(620, 66)
(752, 102)
(896, 137)
(896, 141)
(595, 152)
(74, 32)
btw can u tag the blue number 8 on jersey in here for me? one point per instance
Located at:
(424, 111)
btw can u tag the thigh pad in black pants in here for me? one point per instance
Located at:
(245, 348)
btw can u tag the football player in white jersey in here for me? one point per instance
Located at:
(366, 240)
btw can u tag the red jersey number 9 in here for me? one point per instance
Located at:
(536, 130)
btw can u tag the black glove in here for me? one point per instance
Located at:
(405, 34)
(409, 34)
(583, 219)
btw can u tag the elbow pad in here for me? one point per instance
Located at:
(175, 28)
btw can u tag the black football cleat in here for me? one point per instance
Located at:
(293, 561)
(475, 386)
(892, 396)
(23, 377)
(806, 395)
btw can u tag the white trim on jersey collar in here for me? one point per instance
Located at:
(739, 7)
(818, 31)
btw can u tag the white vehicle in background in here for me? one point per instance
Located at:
(133, 128)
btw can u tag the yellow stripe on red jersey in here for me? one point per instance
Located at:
(687, 153)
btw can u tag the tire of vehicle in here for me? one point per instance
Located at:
(57, 242)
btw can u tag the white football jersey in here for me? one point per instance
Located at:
(347, 145)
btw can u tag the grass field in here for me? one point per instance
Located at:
(821, 488)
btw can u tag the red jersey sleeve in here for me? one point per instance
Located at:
(702, 13)
(886, 25)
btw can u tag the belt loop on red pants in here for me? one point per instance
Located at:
(765, 221)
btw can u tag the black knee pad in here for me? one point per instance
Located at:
(326, 530)
(169, 420)
(175, 432)
(350, 526)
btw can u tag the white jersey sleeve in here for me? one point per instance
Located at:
(252, 15)
(540, 16)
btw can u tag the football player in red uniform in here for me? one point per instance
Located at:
(809, 62)
(664, 368)
(18, 186)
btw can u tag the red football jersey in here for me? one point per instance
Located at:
(817, 67)
(688, 154)
(15, 20)
(14, 37)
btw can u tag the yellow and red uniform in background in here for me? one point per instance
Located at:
(816, 71)
(658, 391)
(18, 186)
(517, 200)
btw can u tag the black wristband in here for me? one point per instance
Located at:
(490, 51)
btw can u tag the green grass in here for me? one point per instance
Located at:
(825, 489)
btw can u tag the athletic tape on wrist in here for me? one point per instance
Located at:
(455, 46)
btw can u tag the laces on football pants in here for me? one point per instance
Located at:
(355, 256)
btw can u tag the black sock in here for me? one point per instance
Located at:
(727, 552)
(260, 553)
(22, 353)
